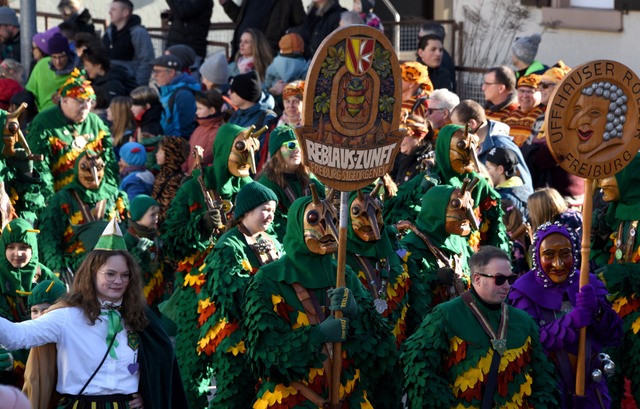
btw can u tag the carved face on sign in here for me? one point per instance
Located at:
(241, 155)
(366, 216)
(598, 119)
(320, 232)
(461, 152)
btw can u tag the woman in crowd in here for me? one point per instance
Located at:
(121, 118)
(546, 205)
(254, 54)
(292, 100)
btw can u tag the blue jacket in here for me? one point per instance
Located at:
(498, 137)
(287, 68)
(180, 118)
(137, 183)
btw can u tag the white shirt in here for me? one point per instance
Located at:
(81, 347)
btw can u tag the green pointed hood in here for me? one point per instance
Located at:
(90, 196)
(378, 249)
(628, 207)
(21, 279)
(217, 176)
(299, 264)
(431, 221)
(443, 162)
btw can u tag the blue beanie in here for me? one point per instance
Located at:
(133, 153)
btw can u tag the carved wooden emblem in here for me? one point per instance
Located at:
(592, 119)
(353, 97)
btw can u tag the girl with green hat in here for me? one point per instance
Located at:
(234, 260)
(286, 175)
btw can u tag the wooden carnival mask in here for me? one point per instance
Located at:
(320, 220)
(556, 257)
(610, 189)
(91, 171)
(241, 161)
(366, 215)
(462, 152)
(459, 218)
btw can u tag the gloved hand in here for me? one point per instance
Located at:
(144, 244)
(6, 360)
(334, 329)
(586, 298)
(342, 300)
(212, 219)
(580, 317)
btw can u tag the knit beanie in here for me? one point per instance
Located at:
(133, 153)
(503, 157)
(247, 86)
(13, 398)
(59, 44)
(216, 69)
(526, 48)
(251, 196)
(280, 135)
(8, 17)
(140, 205)
(41, 40)
(185, 54)
(291, 43)
(47, 291)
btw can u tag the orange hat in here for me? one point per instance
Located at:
(556, 73)
(531, 80)
(415, 72)
(291, 43)
(293, 89)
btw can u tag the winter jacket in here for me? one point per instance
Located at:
(190, 20)
(113, 83)
(320, 25)
(179, 119)
(131, 48)
(203, 136)
(149, 122)
(289, 67)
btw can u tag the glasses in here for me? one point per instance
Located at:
(527, 91)
(500, 279)
(291, 145)
(545, 85)
(490, 83)
(430, 111)
(157, 71)
(59, 57)
(110, 276)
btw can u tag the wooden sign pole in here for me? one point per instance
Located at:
(593, 132)
(350, 133)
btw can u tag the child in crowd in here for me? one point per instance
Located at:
(289, 65)
(134, 176)
(44, 295)
(210, 117)
(121, 118)
(146, 109)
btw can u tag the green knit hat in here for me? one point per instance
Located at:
(251, 196)
(47, 291)
(280, 135)
(140, 205)
(111, 238)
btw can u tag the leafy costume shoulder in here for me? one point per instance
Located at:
(187, 243)
(486, 200)
(446, 361)
(421, 261)
(16, 283)
(228, 269)
(622, 278)
(51, 134)
(150, 260)
(283, 347)
(383, 273)
(69, 230)
(405, 205)
(284, 202)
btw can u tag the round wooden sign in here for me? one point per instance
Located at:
(592, 119)
(353, 98)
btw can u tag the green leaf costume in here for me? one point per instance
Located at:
(406, 204)
(52, 135)
(284, 347)
(486, 200)
(446, 361)
(17, 283)
(228, 269)
(421, 261)
(187, 243)
(73, 227)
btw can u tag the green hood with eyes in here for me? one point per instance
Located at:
(11, 278)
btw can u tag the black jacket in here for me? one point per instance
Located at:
(319, 26)
(189, 24)
(150, 121)
(115, 82)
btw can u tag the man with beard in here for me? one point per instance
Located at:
(77, 215)
(289, 327)
(476, 351)
(195, 219)
(63, 132)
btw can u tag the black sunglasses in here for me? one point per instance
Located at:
(500, 279)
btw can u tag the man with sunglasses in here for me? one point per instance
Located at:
(476, 351)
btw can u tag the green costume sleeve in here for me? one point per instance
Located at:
(492, 230)
(544, 391)
(422, 359)
(38, 138)
(406, 204)
(53, 222)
